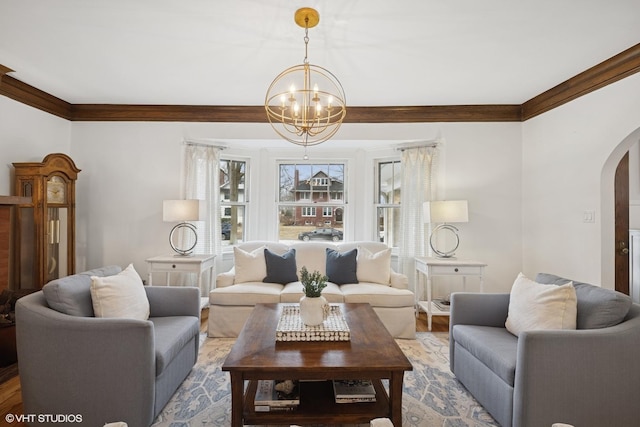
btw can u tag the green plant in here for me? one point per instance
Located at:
(312, 283)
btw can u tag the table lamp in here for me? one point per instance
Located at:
(181, 211)
(445, 212)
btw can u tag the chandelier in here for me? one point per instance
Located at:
(305, 103)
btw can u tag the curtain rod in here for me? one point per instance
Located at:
(409, 145)
(205, 144)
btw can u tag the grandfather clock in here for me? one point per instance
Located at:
(45, 243)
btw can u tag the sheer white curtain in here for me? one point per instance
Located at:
(418, 186)
(202, 181)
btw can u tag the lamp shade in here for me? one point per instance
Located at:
(180, 210)
(446, 211)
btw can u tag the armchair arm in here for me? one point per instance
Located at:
(581, 377)
(478, 309)
(399, 280)
(470, 308)
(226, 279)
(68, 363)
(173, 301)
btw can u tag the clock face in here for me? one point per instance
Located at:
(56, 190)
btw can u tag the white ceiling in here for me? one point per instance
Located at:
(403, 52)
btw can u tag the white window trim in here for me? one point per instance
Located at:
(247, 197)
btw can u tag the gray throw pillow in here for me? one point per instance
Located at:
(281, 268)
(72, 295)
(597, 307)
(341, 266)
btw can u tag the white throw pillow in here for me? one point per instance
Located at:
(249, 266)
(373, 267)
(535, 306)
(121, 296)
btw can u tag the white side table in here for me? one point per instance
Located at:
(427, 268)
(197, 264)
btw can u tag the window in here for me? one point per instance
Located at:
(311, 197)
(233, 200)
(308, 211)
(388, 187)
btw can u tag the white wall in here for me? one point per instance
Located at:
(569, 155)
(27, 135)
(129, 168)
(546, 171)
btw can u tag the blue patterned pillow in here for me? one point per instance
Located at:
(341, 266)
(281, 268)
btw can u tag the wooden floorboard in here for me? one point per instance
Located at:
(10, 392)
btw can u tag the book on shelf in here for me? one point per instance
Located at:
(354, 389)
(355, 399)
(276, 394)
(441, 305)
(268, 408)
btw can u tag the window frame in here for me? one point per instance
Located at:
(377, 205)
(327, 200)
(228, 204)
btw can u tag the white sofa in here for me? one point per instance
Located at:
(233, 298)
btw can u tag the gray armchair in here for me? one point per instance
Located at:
(583, 377)
(104, 370)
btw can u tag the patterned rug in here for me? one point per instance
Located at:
(432, 396)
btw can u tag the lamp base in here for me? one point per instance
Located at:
(448, 254)
(183, 251)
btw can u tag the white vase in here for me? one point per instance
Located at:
(313, 310)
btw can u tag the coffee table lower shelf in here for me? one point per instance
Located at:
(318, 406)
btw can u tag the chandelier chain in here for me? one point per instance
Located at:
(306, 40)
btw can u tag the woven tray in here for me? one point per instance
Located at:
(291, 328)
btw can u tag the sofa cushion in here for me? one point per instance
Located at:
(292, 292)
(72, 295)
(597, 307)
(536, 306)
(493, 346)
(312, 255)
(120, 296)
(171, 335)
(249, 266)
(246, 294)
(280, 268)
(341, 266)
(377, 295)
(374, 267)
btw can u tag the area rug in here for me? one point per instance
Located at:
(432, 396)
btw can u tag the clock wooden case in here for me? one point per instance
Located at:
(45, 243)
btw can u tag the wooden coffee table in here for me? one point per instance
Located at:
(372, 354)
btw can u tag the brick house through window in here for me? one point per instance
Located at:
(320, 188)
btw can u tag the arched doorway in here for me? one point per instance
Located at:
(609, 244)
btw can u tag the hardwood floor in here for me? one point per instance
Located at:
(438, 323)
(11, 399)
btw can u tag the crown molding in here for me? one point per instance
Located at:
(429, 114)
(29, 95)
(256, 114)
(613, 69)
(610, 71)
(4, 70)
